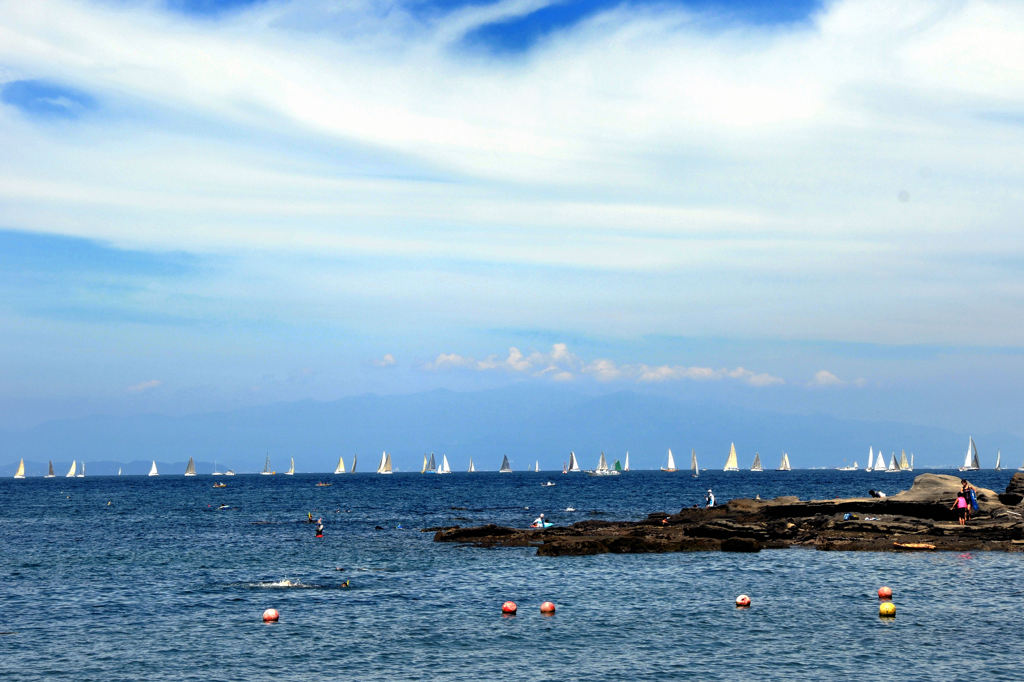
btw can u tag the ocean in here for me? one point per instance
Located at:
(125, 578)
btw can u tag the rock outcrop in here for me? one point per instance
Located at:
(914, 520)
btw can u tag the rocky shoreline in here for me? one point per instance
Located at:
(918, 519)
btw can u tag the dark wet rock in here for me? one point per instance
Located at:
(919, 519)
(1014, 490)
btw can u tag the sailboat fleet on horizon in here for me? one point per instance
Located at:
(876, 462)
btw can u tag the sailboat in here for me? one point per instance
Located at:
(216, 469)
(432, 464)
(505, 467)
(152, 469)
(894, 466)
(573, 464)
(784, 464)
(190, 468)
(385, 463)
(353, 469)
(71, 471)
(617, 466)
(536, 466)
(50, 474)
(625, 467)
(118, 471)
(911, 461)
(694, 469)
(444, 469)
(81, 474)
(423, 469)
(472, 469)
(879, 461)
(756, 466)
(602, 468)
(871, 458)
(904, 463)
(999, 457)
(291, 468)
(340, 469)
(852, 467)
(971, 458)
(20, 473)
(671, 464)
(732, 464)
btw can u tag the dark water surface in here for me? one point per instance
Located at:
(161, 584)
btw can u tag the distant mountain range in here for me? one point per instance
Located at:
(526, 422)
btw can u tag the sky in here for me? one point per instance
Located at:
(208, 205)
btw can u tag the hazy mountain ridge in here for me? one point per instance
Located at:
(526, 422)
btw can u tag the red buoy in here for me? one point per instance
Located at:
(884, 592)
(742, 601)
(547, 608)
(271, 616)
(508, 607)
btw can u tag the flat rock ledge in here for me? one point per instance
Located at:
(918, 519)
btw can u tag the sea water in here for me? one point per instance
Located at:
(111, 578)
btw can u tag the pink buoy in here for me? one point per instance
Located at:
(508, 607)
(271, 616)
(742, 601)
(547, 608)
(884, 592)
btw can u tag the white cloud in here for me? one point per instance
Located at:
(653, 142)
(826, 378)
(387, 361)
(144, 386)
(562, 365)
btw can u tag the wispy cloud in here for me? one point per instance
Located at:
(388, 360)
(560, 364)
(144, 386)
(826, 378)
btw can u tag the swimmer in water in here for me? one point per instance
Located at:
(320, 527)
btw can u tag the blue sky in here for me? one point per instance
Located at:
(808, 206)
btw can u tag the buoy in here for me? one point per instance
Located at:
(887, 609)
(884, 592)
(742, 601)
(271, 616)
(508, 607)
(547, 608)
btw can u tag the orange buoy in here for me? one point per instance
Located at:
(887, 610)
(742, 601)
(547, 608)
(884, 592)
(508, 607)
(271, 616)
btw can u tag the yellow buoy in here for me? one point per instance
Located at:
(887, 609)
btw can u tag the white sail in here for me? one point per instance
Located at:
(732, 463)
(894, 466)
(694, 469)
(340, 469)
(266, 468)
(353, 469)
(505, 467)
(999, 457)
(445, 469)
(190, 468)
(871, 458)
(81, 474)
(118, 471)
(904, 462)
(71, 471)
(385, 463)
(291, 468)
(536, 466)
(670, 465)
(602, 464)
(573, 464)
(49, 473)
(472, 469)
(784, 464)
(971, 457)
(756, 466)
(626, 467)
(152, 469)
(423, 469)
(880, 461)
(20, 473)
(911, 461)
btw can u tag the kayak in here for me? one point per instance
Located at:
(547, 524)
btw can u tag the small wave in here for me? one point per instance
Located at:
(282, 584)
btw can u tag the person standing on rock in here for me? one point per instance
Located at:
(961, 506)
(709, 499)
(971, 493)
